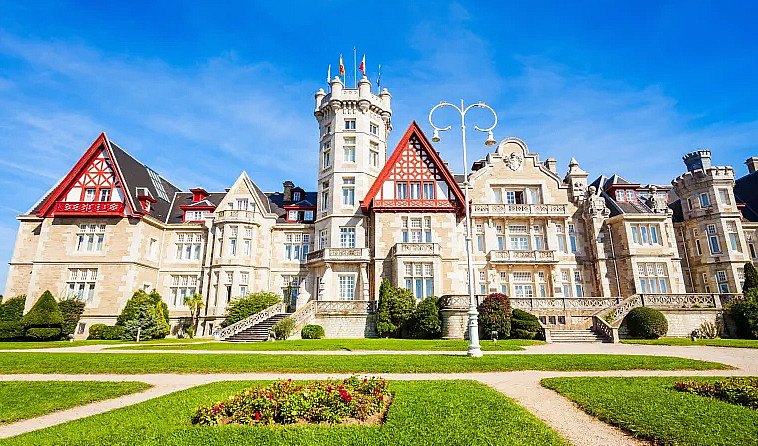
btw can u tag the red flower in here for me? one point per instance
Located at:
(381, 397)
(257, 416)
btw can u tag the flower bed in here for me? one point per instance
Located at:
(349, 401)
(741, 391)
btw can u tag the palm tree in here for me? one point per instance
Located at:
(195, 303)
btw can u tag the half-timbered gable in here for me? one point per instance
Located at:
(414, 179)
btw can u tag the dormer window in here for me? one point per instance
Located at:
(620, 195)
(630, 196)
(296, 196)
(89, 194)
(105, 195)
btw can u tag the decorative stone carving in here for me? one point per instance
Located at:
(514, 161)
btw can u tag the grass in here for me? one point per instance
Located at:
(24, 345)
(741, 343)
(650, 408)
(20, 400)
(347, 344)
(127, 363)
(422, 413)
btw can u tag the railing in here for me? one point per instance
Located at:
(603, 328)
(417, 249)
(235, 215)
(252, 320)
(562, 303)
(89, 207)
(513, 256)
(346, 306)
(519, 209)
(458, 301)
(545, 332)
(448, 205)
(303, 315)
(339, 254)
(616, 313)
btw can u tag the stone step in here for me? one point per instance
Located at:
(258, 332)
(583, 336)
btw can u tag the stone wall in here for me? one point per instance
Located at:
(682, 321)
(347, 326)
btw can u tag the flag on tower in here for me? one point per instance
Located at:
(342, 66)
(329, 74)
(362, 66)
(379, 79)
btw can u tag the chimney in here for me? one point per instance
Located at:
(288, 185)
(551, 163)
(699, 159)
(199, 194)
(752, 164)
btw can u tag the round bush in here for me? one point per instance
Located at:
(284, 328)
(525, 325)
(96, 331)
(518, 333)
(312, 332)
(43, 334)
(646, 323)
(524, 316)
(495, 314)
(427, 323)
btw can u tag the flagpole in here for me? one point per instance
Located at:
(355, 68)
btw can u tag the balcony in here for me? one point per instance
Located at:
(341, 255)
(520, 210)
(533, 256)
(235, 215)
(88, 208)
(416, 205)
(416, 249)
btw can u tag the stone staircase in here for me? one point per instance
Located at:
(258, 332)
(587, 336)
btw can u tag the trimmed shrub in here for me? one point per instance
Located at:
(312, 332)
(71, 309)
(249, 305)
(12, 310)
(284, 328)
(646, 323)
(395, 312)
(524, 316)
(427, 323)
(146, 313)
(11, 330)
(525, 325)
(96, 331)
(495, 315)
(745, 316)
(43, 334)
(113, 332)
(518, 333)
(44, 314)
(750, 288)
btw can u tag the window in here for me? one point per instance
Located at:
(290, 286)
(373, 128)
(233, 247)
(566, 281)
(349, 124)
(480, 237)
(429, 191)
(246, 247)
(713, 240)
(620, 195)
(428, 229)
(152, 248)
(741, 277)
(419, 278)
(510, 197)
(498, 197)
(158, 185)
(414, 232)
(415, 190)
(327, 155)
(325, 196)
(538, 238)
(242, 204)
(578, 283)
(188, 245)
(630, 196)
(308, 216)
(645, 234)
(346, 286)
(347, 237)
(296, 246)
(349, 150)
(653, 277)
(698, 248)
(296, 196)
(752, 250)
(734, 240)
(89, 238)
(572, 239)
(348, 191)
(322, 239)
(705, 201)
(105, 195)
(522, 284)
(402, 191)
(561, 238)
(373, 155)
(81, 284)
(724, 197)
(181, 286)
(500, 237)
(722, 281)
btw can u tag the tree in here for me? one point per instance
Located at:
(71, 309)
(249, 305)
(495, 315)
(395, 310)
(147, 312)
(195, 304)
(427, 323)
(750, 288)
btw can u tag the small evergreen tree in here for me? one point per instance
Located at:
(71, 309)
(136, 312)
(384, 325)
(395, 312)
(750, 288)
(43, 322)
(427, 323)
(495, 315)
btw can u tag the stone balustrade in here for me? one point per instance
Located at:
(416, 249)
(235, 215)
(339, 255)
(526, 210)
(530, 256)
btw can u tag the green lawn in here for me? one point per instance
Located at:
(122, 363)
(346, 344)
(422, 413)
(742, 343)
(20, 400)
(650, 408)
(22, 345)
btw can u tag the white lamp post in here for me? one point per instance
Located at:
(473, 325)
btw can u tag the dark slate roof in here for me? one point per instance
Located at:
(136, 174)
(746, 192)
(616, 179)
(276, 201)
(176, 215)
(619, 207)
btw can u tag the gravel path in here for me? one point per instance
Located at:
(524, 386)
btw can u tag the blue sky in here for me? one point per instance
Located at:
(200, 92)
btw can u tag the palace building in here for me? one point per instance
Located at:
(112, 225)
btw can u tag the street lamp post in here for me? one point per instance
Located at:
(473, 325)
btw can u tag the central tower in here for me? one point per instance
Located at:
(353, 128)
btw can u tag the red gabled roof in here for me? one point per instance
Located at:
(393, 159)
(45, 209)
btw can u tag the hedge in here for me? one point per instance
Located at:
(107, 332)
(524, 316)
(312, 332)
(96, 331)
(518, 333)
(45, 313)
(12, 310)
(524, 325)
(647, 323)
(11, 330)
(249, 305)
(43, 334)
(745, 316)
